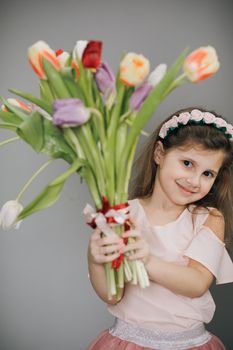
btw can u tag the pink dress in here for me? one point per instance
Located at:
(156, 308)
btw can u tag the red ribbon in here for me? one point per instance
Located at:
(105, 208)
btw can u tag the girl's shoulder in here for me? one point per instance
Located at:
(209, 217)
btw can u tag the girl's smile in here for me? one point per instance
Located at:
(185, 190)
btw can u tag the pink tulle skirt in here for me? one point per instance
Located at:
(106, 341)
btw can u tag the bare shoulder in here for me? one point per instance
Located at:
(215, 221)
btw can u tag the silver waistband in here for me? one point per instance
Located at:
(160, 340)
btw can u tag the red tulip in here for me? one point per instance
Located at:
(91, 57)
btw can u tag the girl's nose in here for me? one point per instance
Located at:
(194, 181)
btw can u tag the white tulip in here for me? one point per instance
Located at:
(79, 49)
(62, 58)
(157, 75)
(9, 213)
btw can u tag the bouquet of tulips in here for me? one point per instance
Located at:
(92, 119)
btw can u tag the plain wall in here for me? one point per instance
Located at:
(46, 300)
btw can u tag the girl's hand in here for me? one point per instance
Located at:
(104, 249)
(139, 247)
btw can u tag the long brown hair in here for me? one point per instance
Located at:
(209, 137)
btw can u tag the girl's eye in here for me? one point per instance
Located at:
(187, 163)
(208, 174)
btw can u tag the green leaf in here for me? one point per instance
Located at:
(55, 144)
(42, 104)
(45, 92)
(8, 126)
(55, 80)
(51, 192)
(73, 86)
(31, 131)
(16, 110)
(11, 118)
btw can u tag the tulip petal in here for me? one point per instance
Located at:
(201, 64)
(9, 213)
(35, 54)
(105, 79)
(139, 96)
(134, 69)
(91, 57)
(70, 112)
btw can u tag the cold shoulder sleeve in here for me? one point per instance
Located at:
(210, 251)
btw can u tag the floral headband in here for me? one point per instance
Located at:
(197, 117)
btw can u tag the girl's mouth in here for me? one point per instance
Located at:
(184, 190)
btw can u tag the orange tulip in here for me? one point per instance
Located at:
(134, 69)
(17, 103)
(36, 52)
(201, 64)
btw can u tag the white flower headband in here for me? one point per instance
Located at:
(198, 117)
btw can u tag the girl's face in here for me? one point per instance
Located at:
(185, 175)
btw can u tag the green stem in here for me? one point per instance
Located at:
(73, 142)
(9, 140)
(28, 183)
(92, 155)
(110, 160)
(177, 82)
(99, 124)
(111, 281)
(128, 172)
(92, 185)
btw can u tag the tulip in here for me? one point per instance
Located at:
(105, 80)
(141, 93)
(9, 214)
(70, 112)
(36, 52)
(62, 57)
(77, 54)
(157, 75)
(139, 96)
(79, 48)
(201, 64)
(18, 103)
(91, 57)
(89, 52)
(133, 69)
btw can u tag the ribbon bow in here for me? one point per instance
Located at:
(101, 218)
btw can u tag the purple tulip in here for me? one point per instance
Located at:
(105, 79)
(70, 112)
(139, 96)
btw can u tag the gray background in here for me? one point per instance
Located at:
(46, 301)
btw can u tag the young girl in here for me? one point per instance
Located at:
(181, 208)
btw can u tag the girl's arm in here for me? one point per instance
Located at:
(192, 280)
(100, 251)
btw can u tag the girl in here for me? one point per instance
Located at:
(181, 208)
